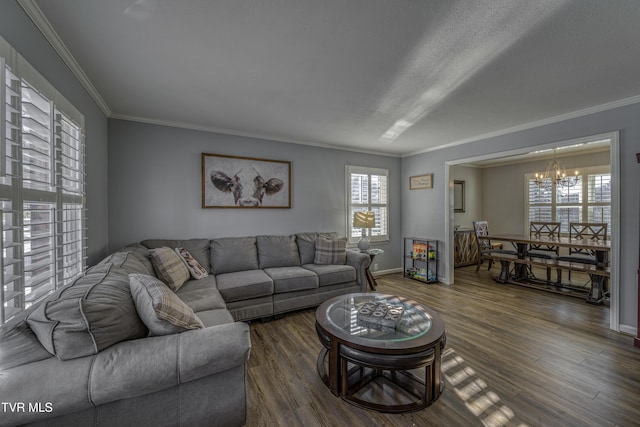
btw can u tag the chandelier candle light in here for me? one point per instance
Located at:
(364, 220)
(556, 174)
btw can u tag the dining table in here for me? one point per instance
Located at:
(598, 272)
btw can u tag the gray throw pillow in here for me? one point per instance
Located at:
(330, 251)
(159, 308)
(91, 314)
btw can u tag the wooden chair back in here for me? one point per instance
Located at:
(587, 231)
(544, 229)
(481, 229)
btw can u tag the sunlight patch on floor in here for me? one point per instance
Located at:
(479, 399)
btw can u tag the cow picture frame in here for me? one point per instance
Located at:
(245, 182)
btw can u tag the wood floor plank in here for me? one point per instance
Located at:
(515, 356)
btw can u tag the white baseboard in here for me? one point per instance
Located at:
(630, 330)
(383, 272)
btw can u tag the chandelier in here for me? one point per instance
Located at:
(556, 175)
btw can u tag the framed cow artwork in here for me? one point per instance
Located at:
(245, 182)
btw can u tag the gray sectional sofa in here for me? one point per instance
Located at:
(85, 356)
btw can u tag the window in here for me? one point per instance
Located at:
(367, 190)
(42, 183)
(588, 201)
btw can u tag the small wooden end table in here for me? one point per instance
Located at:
(372, 280)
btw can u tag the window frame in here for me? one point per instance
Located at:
(42, 187)
(370, 171)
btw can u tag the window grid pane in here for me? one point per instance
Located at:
(599, 188)
(571, 194)
(36, 140)
(39, 234)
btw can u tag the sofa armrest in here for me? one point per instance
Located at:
(127, 369)
(361, 262)
(144, 366)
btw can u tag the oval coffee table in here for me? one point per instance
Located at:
(367, 362)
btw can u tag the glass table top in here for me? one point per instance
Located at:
(379, 317)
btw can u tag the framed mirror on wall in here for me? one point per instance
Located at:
(458, 196)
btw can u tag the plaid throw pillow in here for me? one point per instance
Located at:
(169, 267)
(159, 308)
(330, 251)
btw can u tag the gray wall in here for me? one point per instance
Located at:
(426, 215)
(155, 187)
(473, 193)
(18, 29)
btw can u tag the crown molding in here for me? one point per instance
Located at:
(550, 120)
(233, 132)
(42, 23)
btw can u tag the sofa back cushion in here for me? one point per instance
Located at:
(307, 245)
(198, 248)
(277, 251)
(93, 313)
(129, 260)
(230, 254)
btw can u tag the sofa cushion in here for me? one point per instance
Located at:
(330, 251)
(242, 285)
(141, 253)
(288, 279)
(128, 261)
(198, 248)
(277, 251)
(19, 346)
(195, 268)
(215, 317)
(159, 308)
(231, 254)
(93, 313)
(201, 294)
(332, 274)
(169, 267)
(307, 245)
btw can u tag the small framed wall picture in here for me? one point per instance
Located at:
(421, 181)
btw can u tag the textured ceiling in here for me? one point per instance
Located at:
(394, 77)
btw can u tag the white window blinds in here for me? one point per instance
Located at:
(367, 190)
(42, 181)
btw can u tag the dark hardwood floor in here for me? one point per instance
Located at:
(515, 357)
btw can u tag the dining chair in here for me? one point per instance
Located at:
(595, 231)
(485, 247)
(551, 230)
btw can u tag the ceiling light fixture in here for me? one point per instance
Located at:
(556, 174)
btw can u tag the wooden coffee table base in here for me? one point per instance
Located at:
(392, 370)
(384, 383)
